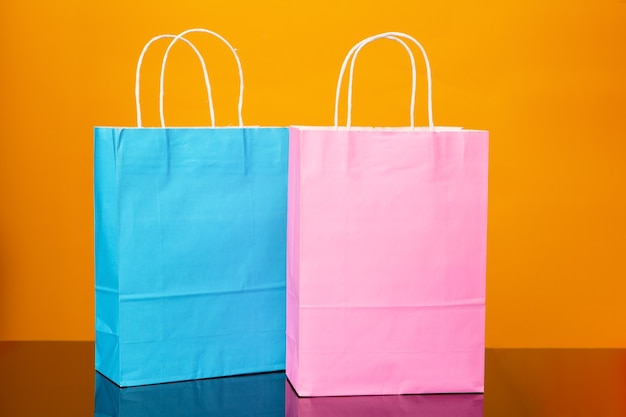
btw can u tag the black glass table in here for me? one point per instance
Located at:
(57, 379)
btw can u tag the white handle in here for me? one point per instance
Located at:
(167, 51)
(356, 51)
(138, 74)
(353, 54)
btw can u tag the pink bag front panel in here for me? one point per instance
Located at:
(386, 261)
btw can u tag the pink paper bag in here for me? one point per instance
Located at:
(386, 254)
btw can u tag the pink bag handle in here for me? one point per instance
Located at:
(138, 74)
(353, 53)
(180, 36)
(413, 79)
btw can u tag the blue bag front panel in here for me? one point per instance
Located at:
(201, 240)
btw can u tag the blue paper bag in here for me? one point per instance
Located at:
(190, 236)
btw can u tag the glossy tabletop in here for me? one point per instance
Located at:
(58, 379)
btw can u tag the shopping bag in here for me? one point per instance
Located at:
(442, 405)
(234, 396)
(190, 235)
(386, 256)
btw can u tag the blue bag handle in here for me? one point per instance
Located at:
(181, 36)
(138, 74)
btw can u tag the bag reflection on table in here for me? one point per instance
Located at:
(430, 405)
(246, 395)
(267, 395)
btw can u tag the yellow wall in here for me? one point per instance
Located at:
(546, 78)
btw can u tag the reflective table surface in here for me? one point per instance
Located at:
(57, 379)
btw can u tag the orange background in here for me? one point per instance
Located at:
(546, 78)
